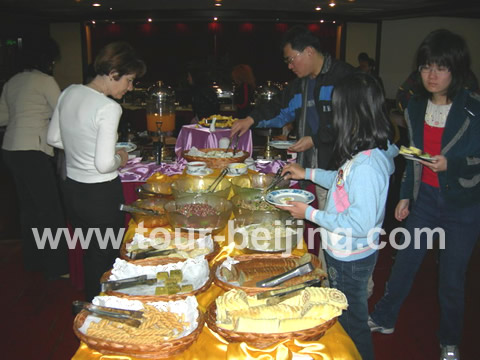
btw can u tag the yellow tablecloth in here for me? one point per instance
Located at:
(335, 344)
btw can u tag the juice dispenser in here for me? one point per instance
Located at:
(160, 108)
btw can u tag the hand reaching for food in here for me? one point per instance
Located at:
(296, 171)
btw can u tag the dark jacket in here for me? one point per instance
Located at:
(243, 98)
(204, 102)
(290, 105)
(460, 183)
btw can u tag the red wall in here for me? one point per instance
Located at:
(168, 47)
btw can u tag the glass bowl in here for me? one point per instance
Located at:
(151, 221)
(154, 189)
(192, 185)
(251, 208)
(255, 183)
(199, 212)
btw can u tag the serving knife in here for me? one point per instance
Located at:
(130, 317)
(279, 279)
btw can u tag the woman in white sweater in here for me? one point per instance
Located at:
(85, 124)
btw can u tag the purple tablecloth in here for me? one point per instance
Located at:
(136, 170)
(202, 138)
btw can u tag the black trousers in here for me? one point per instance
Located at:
(40, 207)
(96, 206)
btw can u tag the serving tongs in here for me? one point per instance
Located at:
(285, 292)
(237, 139)
(138, 210)
(151, 253)
(130, 317)
(277, 179)
(111, 285)
(217, 181)
(279, 279)
(141, 190)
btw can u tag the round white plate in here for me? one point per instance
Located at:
(281, 144)
(204, 172)
(416, 157)
(128, 146)
(280, 197)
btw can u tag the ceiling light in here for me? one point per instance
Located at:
(332, 3)
(318, 8)
(149, 20)
(215, 18)
(96, 4)
(218, 4)
(93, 22)
(322, 21)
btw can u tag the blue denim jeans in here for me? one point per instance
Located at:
(351, 277)
(462, 229)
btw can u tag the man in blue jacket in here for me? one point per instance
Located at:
(306, 100)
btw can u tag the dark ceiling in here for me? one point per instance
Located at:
(239, 10)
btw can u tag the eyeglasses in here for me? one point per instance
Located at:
(438, 70)
(289, 60)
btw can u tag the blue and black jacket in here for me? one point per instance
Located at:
(290, 105)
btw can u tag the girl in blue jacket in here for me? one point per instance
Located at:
(443, 120)
(355, 208)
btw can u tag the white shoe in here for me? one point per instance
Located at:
(374, 327)
(449, 352)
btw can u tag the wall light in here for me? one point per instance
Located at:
(149, 20)
(215, 18)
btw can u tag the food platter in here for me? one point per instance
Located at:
(215, 158)
(222, 122)
(281, 144)
(128, 146)
(417, 157)
(412, 153)
(281, 196)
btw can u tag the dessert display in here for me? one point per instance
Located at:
(161, 279)
(216, 158)
(244, 271)
(175, 245)
(222, 122)
(305, 309)
(166, 328)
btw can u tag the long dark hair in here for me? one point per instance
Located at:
(360, 117)
(444, 48)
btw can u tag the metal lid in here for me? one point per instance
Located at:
(267, 92)
(161, 93)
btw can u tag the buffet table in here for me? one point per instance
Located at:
(335, 344)
(202, 138)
